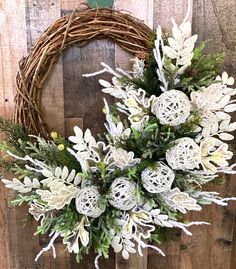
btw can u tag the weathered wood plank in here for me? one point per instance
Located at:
(12, 48)
(210, 247)
(164, 10)
(40, 14)
(83, 96)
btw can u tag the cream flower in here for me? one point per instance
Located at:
(72, 241)
(122, 158)
(214, 152)
(139, 107)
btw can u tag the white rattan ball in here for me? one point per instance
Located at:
(86, 202)
(185, 155)
(172, 108)
(122, 194)
(159, 179)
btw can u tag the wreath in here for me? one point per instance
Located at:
(166, 138)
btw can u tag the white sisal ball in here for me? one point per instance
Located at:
(184, 155)
(172, 108)
(159, 179)
(122, 194)
(86, 202)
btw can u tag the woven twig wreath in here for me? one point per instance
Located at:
(80, 27)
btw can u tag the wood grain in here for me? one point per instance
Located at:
(14, 254)
(164, 10)
(39, 15)
(83, 96)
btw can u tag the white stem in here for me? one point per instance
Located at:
(188, 12)
(123, 72)
(28, 158)
(96, 261)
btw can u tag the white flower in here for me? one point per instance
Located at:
(214, 153)
(180, 200)
(72, 241)
(89, 152)
(58, 195)
(211, 98)
(139, 107)
(122, 158)
(117, 131)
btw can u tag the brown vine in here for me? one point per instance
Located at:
(80, 27)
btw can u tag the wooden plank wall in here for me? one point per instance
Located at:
(69, 99)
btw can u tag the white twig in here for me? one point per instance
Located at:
(141, 245)
(106, 68)
(159, 60)
(49, 246)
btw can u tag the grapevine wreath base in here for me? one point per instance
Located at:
(130, 187)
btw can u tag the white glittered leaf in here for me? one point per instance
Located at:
(36, 183)
(47, 173)
(225, 100)
(78, 132)
(226, 136)
(125, 254)
(177, 33)
(222, 115)
(190, 41)
(230, 108)
(186, 29)
(27, 182)
(87, 135)
(71, 176)
(58, 172)
(232, 127)
(224, 124)
(174, 44)
(185, 60)
(214, 128)
(169, 52)
(104, 83)
(206, 132)
(77, 180)
(65, 173)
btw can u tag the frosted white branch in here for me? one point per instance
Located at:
(49, 246)
(141, 245)
(106, 68)
(96, 261)
(157, 54)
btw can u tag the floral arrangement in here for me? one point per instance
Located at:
(166, 138)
